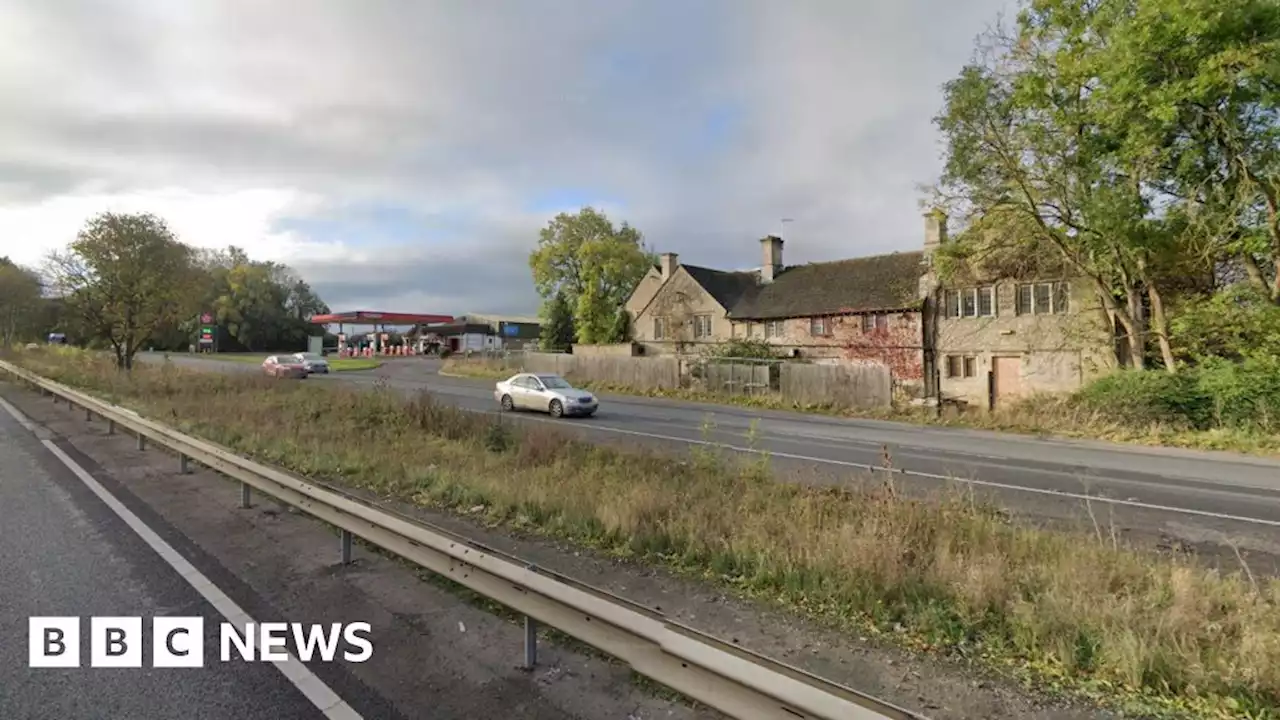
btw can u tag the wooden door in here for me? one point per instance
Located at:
(1007, 379)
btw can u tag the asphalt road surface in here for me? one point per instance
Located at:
(65, 553)
(90, 525)
(1048, 477)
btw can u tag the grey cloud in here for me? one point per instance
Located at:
(477, 106)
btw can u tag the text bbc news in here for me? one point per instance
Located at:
(179, 642)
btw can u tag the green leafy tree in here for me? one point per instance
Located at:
(1039, 152)
(595, 264)
(1196, 87)
(20, 303)
(125, 276)
(557, 324)
(621, 330)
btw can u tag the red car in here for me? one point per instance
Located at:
(284, 367)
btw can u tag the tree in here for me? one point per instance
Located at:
(594, 264)
(557, 326)
(20, 303)
(621, 330)
(125, 276)
(1197, 88)
(1037, 151)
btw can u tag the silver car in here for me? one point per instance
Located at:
(312, 362)
(547, 393)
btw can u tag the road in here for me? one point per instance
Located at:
(1046, 477)
(67, 554)
(92, 526)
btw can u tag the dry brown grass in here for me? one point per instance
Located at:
(1138, 631)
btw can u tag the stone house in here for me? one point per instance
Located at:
(862, 309)
(990, 339)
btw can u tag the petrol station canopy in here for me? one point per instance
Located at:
(370, 317)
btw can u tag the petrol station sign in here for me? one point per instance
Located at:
(206, 329)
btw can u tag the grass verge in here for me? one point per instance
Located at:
(1145, 634)
(1041, 416)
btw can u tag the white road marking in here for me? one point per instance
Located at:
(931, 476)
(320, 695)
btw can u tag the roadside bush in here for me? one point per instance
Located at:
(1145, 397)
(1216, 394)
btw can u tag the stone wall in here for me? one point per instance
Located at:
(1056, 352)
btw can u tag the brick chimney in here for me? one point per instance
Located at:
(771, 248)
(670, 262)
(935, 229)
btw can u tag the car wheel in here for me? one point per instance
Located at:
(556, 409)
(507, 404)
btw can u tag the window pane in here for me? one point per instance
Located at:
(1061, 297)
(868, 323)
(1024, 300)
(969, 302)
(953, 366)
(986, 301)
(970, 367)
(1044, 291)
(953, 304)
(882, 322)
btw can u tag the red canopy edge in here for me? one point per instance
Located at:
(369, 317)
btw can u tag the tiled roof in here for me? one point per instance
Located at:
(728, 288)
(867, 284)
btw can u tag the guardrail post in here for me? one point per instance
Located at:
(345, 542)
(184, 464)
(244, 495)
(530, 642)
(55, 397)
(142, 441)
(111, 427)
(88, 415)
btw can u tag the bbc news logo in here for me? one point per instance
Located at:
(178, 642)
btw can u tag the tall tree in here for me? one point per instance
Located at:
(594, 264)
(557, 324)
(125, 276)
(1036, 152)
(20, 303)
(1196, 86)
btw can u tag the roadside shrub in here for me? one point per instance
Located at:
(1216, 394)
(1244, 395)
(1144, 397)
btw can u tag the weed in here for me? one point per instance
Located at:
(949, 573)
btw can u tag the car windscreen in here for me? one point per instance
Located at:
(310, 357)
(554, 382)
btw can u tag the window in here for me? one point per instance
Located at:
(875, 322)
(659, 328)
(818, 326)
(773, 329)
(751, 329)
(986, 301)
(1043, 298)
(962, 366)
(701, 326)
(970, 302)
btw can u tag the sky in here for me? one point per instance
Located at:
(402, 155)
